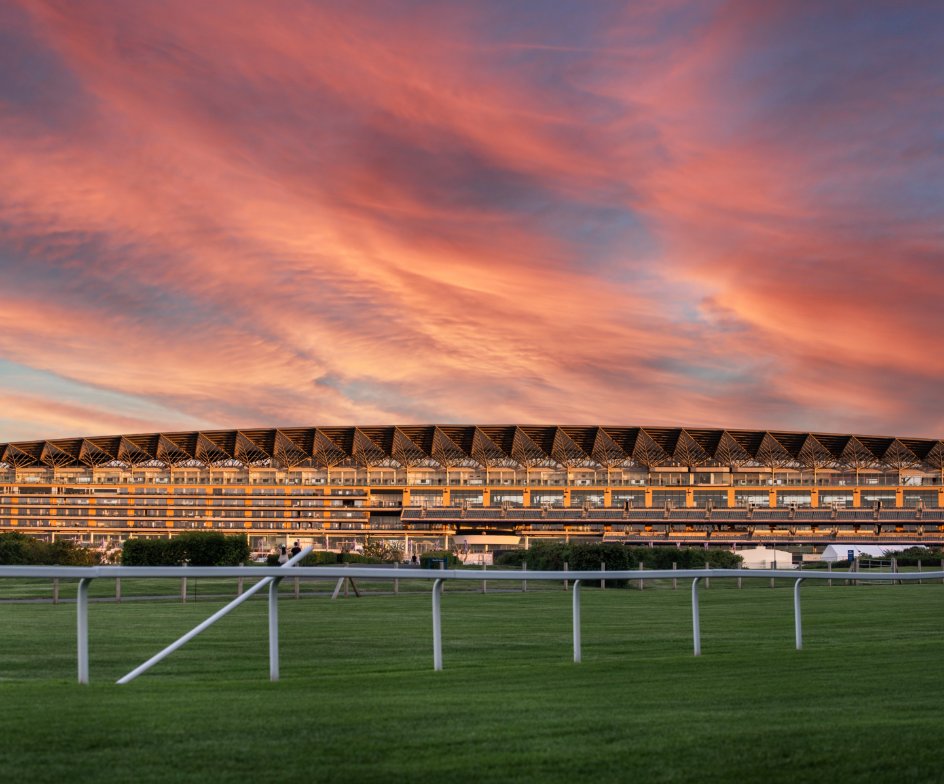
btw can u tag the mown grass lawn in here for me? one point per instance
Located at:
(359, 701)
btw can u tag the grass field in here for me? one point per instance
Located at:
(204, 588)
(359, 701)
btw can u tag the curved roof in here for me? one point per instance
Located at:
(485, 445)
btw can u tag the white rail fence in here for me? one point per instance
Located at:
(272, 576)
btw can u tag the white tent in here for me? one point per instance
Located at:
(766, 558)
(841, 552)
(474, 549)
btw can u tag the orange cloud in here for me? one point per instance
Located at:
(314, 214)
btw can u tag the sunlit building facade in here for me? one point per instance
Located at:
(335, 487)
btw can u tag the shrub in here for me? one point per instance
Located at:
(510, 558)
(588, 557)
(24, 550)
(355, 558)
(18, 549)
(452, 560)
(151, 552)
(616, 557)
(329, 558)
(912, 555)
(316, 558)
(548, 556)
(687, 558)
(197, 548)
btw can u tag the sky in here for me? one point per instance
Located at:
(295, 213)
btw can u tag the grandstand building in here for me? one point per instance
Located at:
(424, 485)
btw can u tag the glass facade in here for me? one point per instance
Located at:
(717, 499)
(674, 499)
(752, 499)
(927, 499)
(794, 498)
(834, 498)
(614, 480)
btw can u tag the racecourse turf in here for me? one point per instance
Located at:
(359, 701)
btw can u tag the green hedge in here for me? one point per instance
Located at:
(18, 549)
(196, 548)
(911, 556)
(512, 558)
(452, 560)
(328, 558)
(588, 557)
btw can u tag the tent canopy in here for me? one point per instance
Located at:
(766, 558)
(840, 552)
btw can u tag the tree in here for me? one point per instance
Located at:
(382, 551)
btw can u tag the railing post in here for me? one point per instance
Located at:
(567, 582)
(707, 579)
(437, 624)
(829, 568)
(696, 625)
(797, 619)
(674, 579)
(484, 582)
(576, 605)
(81, 605)
(274, 629)
(183, 590)
(118, 590)
(603, 578)
(524, 583)
(273, 584)
(642, 583)
(55, 590)
(396, 581)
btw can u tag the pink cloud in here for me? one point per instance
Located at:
(59, 418)
(355, 217)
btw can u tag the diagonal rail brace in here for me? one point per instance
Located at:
(264, 582)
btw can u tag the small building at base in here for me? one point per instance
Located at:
(766, 558)
(476, 549)
(841, 552)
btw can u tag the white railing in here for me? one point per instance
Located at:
(272, 576)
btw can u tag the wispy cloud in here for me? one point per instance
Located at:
(719, 215)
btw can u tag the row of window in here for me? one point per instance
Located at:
(158, 484)
(784, 497)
